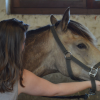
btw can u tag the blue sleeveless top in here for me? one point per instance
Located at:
(10, 95)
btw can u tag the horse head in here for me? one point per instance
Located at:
(44, 56)
(80, 42)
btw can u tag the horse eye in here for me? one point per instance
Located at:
(81, 46)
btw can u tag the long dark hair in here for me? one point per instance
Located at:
(12, 33)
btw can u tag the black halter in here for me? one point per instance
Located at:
(68, 56)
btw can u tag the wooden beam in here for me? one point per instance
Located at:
(53, 11)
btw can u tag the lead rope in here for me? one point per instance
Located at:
(85, 97)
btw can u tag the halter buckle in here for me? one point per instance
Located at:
(93, 72)
(68, 55)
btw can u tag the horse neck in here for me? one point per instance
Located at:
(37, 54)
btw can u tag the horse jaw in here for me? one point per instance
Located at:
(84, 75)
(47, 66)
(41, 71)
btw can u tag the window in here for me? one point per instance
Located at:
(54, 6)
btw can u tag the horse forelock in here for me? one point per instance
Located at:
(81, 30)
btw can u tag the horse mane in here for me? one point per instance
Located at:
(77, 28)
(37, 31)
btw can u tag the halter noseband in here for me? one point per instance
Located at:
(68, 56)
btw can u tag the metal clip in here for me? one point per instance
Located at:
(93, 72)
(68, 55)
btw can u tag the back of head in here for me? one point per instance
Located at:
(12, 34)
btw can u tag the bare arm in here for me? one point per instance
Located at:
(35, 85)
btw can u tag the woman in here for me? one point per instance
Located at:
(14, 79)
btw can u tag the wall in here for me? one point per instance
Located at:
(35, 21)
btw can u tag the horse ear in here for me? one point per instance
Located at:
(53, 19)
(65, 19)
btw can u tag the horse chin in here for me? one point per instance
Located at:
(85, 75)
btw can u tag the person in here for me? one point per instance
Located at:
(14, 79)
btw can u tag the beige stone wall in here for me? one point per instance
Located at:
(35, 21)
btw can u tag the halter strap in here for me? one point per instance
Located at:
(92, 71)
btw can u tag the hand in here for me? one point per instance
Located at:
(97, 85)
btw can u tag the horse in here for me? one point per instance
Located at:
(43, 56)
